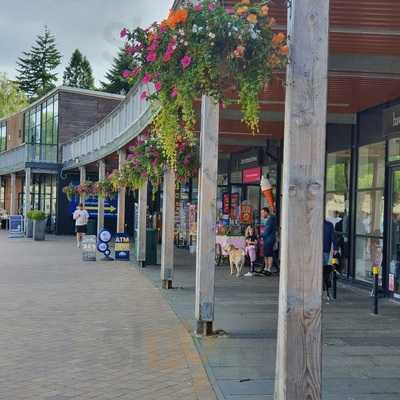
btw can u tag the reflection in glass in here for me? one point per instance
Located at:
(368, 253)
(370, 212)
(371, 166)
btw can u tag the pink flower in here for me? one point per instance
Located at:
(125, 74)
(198, 7)
(146, 78)
(144, 95)
(158, 86)
(167, 56)
(151, 57)
(174, 92)
(163, 29)
(186, 61)
(124, 32)
(135, 72)
(186, 160)
(211, 6)
(153, 47)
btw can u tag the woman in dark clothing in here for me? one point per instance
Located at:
(269, 237)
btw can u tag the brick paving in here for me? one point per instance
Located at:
(361, 352)
(84, 330)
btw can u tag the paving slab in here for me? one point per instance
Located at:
(88, 330)
(361, 352)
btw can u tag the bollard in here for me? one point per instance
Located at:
(334, 276)
(375, 273)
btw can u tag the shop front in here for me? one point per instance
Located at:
(363, 195)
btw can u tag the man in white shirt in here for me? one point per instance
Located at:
(81, 217)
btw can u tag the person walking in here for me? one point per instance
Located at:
(269, 237)
(329, 243)
(81, 218)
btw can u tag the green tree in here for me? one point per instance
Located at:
(36, 68)
(115, 82)
(12, 98)
(78, 72)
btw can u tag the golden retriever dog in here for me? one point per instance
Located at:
(236, 259)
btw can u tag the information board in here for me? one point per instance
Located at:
(89, 248)
(122, 247)
(16, 226)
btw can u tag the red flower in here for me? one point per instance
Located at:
(151, 57)
(158, 86)
(174, 92)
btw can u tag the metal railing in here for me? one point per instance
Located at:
(123, 124)
(15, 159)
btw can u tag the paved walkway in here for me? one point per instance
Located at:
(74, 330)
(361, 352)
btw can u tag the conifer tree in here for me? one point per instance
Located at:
(36, 68)
(79, 73)
(115, 82)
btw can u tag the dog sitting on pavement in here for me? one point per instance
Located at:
(236, 259)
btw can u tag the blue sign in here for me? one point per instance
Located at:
(16, 226)
(91, 206)
(122, 247)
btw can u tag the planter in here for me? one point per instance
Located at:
(29, 228)
(39, 230)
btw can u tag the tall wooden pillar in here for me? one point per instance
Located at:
(298, 368)
(100, 201)
(82, 180)
(27, 195)
(1, 183)
(207, 210)
(121, 196)
(13, 197)
(141, 232)
(168, 229)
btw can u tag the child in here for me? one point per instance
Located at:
(251, 247)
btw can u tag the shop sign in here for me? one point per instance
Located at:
(225, 203)
(252, 175)
(391, 283)
(246, 214)
(247, 159)
(122, 247)
(391, 121)
(235, 205)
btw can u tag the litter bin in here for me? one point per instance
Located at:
(151, 246)
(91, 227)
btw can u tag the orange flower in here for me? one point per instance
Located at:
(242, 10)
(177, 17)
(239, 51)
(252, 18)
(278, 39)
(274, 60)
(264, 10)
(284, 50)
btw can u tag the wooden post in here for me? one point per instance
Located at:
(2, 205)
(298, 365)
(13, 197)
(82, 180)
(207, 210)
(100, 201)
(168, 229)
(142, 225)
(121, 196)
(27, 189)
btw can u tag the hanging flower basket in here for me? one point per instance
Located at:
(105, 189)
(204, 49)
(86, 189)
(69, 191)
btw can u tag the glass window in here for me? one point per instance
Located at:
(338, 171)
(370, 212)
(394, 149)
(371, 166)
(368, 253)
(3, 136)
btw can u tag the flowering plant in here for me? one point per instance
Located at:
(186, 161)
(105, 189)
(86, 189)
(69, 191)
(196, 51)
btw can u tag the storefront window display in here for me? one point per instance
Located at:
(370, 210)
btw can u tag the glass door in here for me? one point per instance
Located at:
(394, 233)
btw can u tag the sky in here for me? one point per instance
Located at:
(93, 26)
